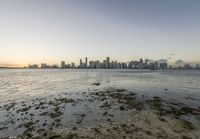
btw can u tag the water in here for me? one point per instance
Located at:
(30, 87)
(23, 84)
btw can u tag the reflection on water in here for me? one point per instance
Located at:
(25, 83)
(41, 92)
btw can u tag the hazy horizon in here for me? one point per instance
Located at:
(38, 31)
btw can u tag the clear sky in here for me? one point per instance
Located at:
(34, 31)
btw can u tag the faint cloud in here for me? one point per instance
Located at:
(172, 54)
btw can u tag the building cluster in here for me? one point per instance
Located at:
(108, 64)
(188, 66)
(105, 64)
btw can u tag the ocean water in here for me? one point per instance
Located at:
(28, 88)
(24, 84)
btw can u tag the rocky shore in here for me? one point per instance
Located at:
(109, 113)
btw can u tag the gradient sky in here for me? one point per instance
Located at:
(34, 31)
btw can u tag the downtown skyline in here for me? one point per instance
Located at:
(49, 31)
(109, 63)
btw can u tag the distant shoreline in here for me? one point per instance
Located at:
(101, 68)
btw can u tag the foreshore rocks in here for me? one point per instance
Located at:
(145, 118)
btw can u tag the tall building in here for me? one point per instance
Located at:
(73, 65)
(163, 65)
(86, 62)
(104, 64)
(63, 64)
(141, 60)
(81, 63)
(197, 66)
(43, 65)
(146, 61)
(107, 62)
(97, 64)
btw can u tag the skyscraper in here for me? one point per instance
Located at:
(86, 62)
(63, 64)
(107, 62)
(81, 63)
(43, 65)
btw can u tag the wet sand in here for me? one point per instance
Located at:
(109, 113)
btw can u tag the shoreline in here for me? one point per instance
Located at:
(139, 116)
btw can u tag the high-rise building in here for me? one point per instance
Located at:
(73, 65)
(97, 64)
(141, 60)
(146, 61)
(63, 64)
(104, 64)
(43, 65)
(163, 65)
(81, 63)
(107, 62)
(86, 62)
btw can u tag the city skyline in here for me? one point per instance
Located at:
(176, 64)
(109, 63)
(50, 31)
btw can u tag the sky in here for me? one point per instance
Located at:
(35, 31)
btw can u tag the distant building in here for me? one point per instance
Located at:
(73, 65)
(104, 64)
(163, 65)
(67, 66)
(146, 61)
(132, 64)
(124, 65)
(153, 66)
(63, 64)
(91, 64)
(44, 65)
(97, 64)
(34, 66)
(107, 62)
(197, 66)
(187, 66)
(81, 63)
(141, 60)
(86, 62)
(54, 66)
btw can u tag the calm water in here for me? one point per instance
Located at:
(30, 87)
(23, 84)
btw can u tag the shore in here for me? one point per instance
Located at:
(110, 113)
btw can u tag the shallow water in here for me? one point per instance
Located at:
(23, 84)
(30, 87)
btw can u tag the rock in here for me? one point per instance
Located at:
(96, 84)
(105, 113)
(55, 136)
(186, 137)
(82, 115)
(187, 125)
(122, 108)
